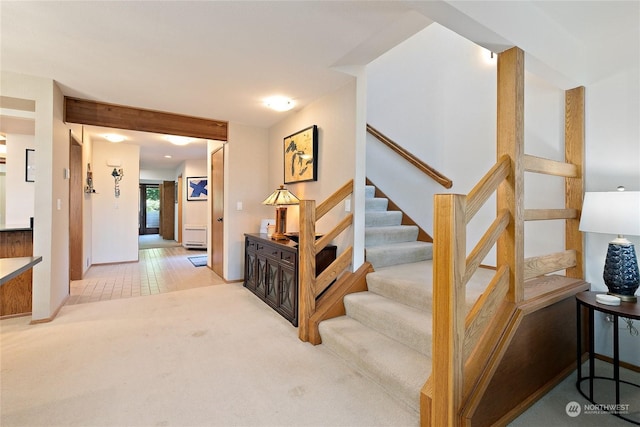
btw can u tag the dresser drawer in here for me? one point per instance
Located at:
(288, 257)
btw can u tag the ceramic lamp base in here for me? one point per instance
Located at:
(621, 273)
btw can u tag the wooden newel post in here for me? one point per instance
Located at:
(449, 263)
(306, 267)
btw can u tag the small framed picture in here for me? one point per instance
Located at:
(197, 188)
(30, 165)
(301, 156)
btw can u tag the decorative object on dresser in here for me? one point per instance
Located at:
(301, 156)
(616, 212)
(271, 272)
(281, 198)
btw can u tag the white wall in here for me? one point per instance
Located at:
(87, 205)
(612, 158)
(51, 234)
(115, 219)
(434, 94)
(20, 195)
(193, 211)
(246, 180)
(156, 176)
(335, 116)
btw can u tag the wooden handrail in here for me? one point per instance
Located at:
(311, 286)
(411, 158)
(486, 187)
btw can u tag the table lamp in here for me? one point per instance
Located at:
(281, 198)
(616, 212)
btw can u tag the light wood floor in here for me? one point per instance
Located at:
(158, 270)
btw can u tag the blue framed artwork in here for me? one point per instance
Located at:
(197, 188)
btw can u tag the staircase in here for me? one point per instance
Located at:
(386, 333)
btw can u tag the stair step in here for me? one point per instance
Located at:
(382, 218)
(376, 204)
(399, 253)
(411, 284)
(369, 191)
(398, 369)
(405, 324)
(375, 236)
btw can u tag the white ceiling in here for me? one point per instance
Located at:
(220, 59)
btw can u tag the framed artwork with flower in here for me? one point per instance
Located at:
(301, 156)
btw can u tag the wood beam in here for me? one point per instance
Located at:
(95, 113)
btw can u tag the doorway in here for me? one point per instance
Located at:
(217, 211)
(76, 194)
(149, 222)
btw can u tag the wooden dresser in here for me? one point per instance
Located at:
(271, 272)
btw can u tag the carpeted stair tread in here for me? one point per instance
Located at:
(398, 369)
(382, 218)
(375, 204)
(369, 191)
(398, 253)
(395, 320)
(375, 236)
(411, 284)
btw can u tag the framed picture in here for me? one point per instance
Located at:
(301, 156)
(30, 166)
(197, 188)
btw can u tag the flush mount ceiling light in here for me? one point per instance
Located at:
(167, 156)
(179, 140)
(112, 137)
(279, 103)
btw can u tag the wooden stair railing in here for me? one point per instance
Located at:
(311, 287)
(411, 158)
(467, 346)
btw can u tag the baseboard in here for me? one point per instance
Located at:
(53, 315)
(626, 365)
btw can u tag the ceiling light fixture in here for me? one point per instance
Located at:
(279, 103)
(167, 156)
(112, 137)
(179, 140)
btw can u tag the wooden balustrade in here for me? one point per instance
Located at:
(469, 347)
(311, 287)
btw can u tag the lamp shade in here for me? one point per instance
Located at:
(281, 197)
(611, 212)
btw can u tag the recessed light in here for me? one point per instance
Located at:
(167, 156)
(112, 137)
(279, 103)
(179, 140)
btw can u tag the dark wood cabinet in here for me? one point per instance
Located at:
(271, 272)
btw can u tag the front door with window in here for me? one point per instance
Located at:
(149, 209)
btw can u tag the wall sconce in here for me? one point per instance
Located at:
(117, 175)
(616, 212)
(281, 198)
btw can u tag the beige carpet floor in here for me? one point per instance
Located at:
(209, 356)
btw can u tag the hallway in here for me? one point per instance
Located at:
(159, 270)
